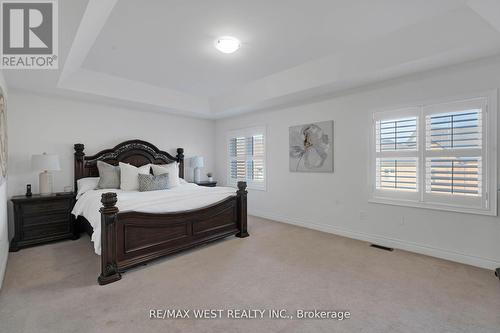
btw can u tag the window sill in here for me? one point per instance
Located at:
(249, 187)
(442, 207)
(257, 189)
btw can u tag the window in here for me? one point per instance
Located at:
(247, 156)
(437, 156)
(396, 154)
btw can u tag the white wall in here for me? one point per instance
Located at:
(39, 124)
(4, 241)
(338, 202)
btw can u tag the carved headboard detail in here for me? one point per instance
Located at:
(134, 152)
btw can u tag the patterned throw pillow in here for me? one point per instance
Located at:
(109, 175)
(153, 183)
(172, 169)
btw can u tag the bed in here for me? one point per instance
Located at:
(153, 225)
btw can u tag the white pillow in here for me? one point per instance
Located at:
(129, 176)
(173, 172)
(86, 184)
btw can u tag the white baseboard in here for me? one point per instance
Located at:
(463, 258)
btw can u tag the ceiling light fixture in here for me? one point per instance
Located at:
(227, 44)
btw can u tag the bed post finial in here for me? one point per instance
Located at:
(79, 147)
(241, 199)
(180, 154)
(180, 160)
(79, 155)
(109, 214)
(109, 201)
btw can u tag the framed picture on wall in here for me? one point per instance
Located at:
(311, 147)
(3, 139)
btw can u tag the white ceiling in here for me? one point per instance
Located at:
(171, 45)
(159, 54)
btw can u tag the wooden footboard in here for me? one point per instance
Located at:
(132, 238)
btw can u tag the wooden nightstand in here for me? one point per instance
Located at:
(40, 219)
(207, 184)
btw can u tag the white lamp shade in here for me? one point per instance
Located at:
(197, 162)
(45, 162)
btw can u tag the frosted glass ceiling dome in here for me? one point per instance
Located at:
(227, 44)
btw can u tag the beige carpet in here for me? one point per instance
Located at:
(52, 288)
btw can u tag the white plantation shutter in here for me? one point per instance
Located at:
(457, 135)
(397, 134)
(396, 155)
(436, 156)
(397, 174)
(258, 158)
(454, 175)
(454, 130)
(247, 157)
(454, 153)
(237, 153)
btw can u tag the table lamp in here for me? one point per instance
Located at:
(45, 163)
(197, 163)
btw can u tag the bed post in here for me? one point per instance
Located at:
(109, 212)
(497, 273)
(241, 204)
(79, 155)
(180, 160)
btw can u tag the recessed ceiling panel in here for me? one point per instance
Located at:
(170, 43)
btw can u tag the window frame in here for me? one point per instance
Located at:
(488, 204)
(247, 132)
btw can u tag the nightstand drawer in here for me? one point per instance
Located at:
(53, 218)
(42, 218)
(47, 230)
(46, 206)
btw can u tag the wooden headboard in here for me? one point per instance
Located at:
(134, 152)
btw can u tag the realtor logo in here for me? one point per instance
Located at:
(29, 34)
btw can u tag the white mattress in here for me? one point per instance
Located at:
(180, 198)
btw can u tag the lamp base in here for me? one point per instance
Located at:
(45, 183)
(197, 177)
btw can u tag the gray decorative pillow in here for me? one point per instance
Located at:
(153, 183)
(109, 175)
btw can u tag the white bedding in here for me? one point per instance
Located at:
(180, 198)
